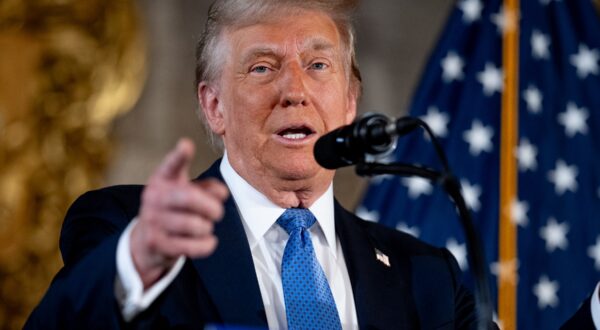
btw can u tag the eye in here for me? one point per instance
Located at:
(318, 66)
(260, 69)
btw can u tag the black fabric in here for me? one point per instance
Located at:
(582, 319)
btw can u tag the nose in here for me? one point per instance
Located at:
(293, 88)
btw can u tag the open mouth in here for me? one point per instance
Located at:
(296, 132)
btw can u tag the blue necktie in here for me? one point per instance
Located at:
(309, 303)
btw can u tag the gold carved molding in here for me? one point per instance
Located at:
(68, 68)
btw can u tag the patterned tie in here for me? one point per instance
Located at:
(309, 303)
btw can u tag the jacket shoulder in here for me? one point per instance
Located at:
(95, 215)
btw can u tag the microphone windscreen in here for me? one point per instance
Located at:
(325, 152)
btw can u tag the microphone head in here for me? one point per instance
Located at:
(326, 147)
(351, 144)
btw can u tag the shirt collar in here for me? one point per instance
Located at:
(258, 213)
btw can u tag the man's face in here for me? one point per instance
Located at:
(283, 85)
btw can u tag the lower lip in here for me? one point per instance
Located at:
(295, 142)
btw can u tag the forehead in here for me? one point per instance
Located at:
(302, 30)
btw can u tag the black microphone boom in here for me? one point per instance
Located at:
(371, 134)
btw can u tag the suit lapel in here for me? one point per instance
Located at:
(229, 274)
(382, 294)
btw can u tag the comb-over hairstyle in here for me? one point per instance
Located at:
(232, 14)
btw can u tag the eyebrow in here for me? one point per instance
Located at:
(260, 51)
(319, 44)
(312, 44)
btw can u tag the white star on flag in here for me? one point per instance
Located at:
(586, 61)
(526, 155)
(594, 253)
(492, 79)
(574, 120)
(533, 97)
(471, 194)
(437, 121)
(546, 292)
(479, 138)
(471, 10)
(540, 44)
(365, 214)
(518, 212)
(555, 235)
(414, 231)
(563, 177)
(417, 186)
(505, 20)
(506, 271)
(378, 179)
(452, 66)
(459, 251)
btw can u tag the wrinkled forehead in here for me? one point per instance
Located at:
(298, 30)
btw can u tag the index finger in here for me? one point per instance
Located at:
(176, 164)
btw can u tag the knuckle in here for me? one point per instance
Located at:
(151, 196)
(152, 240)
(185, 227)
(204, 228)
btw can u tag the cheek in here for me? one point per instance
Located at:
(246, 116)
(252, 100)
(335, 111)
(331, 99)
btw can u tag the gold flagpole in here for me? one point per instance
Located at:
(507, 268)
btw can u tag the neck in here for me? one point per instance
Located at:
(290, 194)
(287, 192)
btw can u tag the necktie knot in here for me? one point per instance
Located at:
(296, 219)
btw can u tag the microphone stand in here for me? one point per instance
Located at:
(451, 185)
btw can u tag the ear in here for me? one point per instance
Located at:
(208, 97)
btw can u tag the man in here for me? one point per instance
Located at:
(273, 76)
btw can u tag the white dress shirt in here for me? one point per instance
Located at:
(267, 242)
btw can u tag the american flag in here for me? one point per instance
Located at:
(556, 208)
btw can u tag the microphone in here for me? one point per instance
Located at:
(370, 135)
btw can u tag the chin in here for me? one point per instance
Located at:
(293, 169)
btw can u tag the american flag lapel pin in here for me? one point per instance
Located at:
(381, 257)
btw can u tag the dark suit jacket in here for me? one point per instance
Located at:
(420, 290)
(582, 319)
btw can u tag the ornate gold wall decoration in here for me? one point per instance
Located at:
(67, 69)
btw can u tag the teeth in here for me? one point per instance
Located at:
(294, 136)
